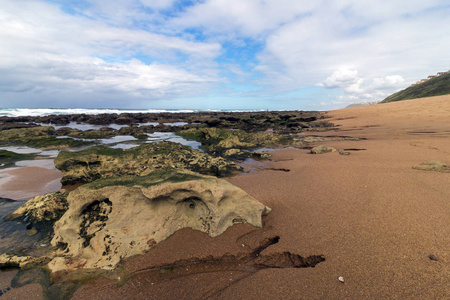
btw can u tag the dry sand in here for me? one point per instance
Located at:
(374, 218)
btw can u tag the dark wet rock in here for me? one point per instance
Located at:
(292, 121)
(6, 200)
(102, 162)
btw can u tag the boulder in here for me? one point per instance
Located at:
(49, 207)
(114, 218)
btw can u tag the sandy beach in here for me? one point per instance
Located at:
(374, 218)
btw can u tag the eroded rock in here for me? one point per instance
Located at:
(115, 218)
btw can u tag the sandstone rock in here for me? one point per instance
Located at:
(115, 218)
(49, 207)
(102, 162)
(12, 260)
(322, 149)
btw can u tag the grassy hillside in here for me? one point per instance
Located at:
(433, 87)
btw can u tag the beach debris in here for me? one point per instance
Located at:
(106, 218)
(433, 257)
(341, 279)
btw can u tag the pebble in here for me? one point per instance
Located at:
(341, 279)
(32, 232)
(433, 257)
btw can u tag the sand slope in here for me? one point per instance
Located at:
(374, 218)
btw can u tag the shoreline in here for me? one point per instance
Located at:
(374, 218)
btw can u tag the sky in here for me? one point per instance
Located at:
(217, 54)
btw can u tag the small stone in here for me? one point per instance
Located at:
(43, 245)
(32, 232)
(433, 257)
(341, 279)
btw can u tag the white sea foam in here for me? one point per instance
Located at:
(35, 112)
(38, 112)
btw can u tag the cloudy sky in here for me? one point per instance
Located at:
(217, 54)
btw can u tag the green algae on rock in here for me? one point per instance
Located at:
(103, 162)
(39, 137)
(8, 158)
(231, 143)
(49, 207)
(119, 217)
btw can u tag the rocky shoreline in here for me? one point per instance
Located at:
(160, 186)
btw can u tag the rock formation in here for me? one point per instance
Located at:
(115, 218)
(102, 162)
(322, 149)
(49, 207)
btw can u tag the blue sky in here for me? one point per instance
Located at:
(217, 54)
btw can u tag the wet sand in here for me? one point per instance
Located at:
(374, 219)
(24, 183)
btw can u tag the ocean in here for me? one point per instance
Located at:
(38, 112)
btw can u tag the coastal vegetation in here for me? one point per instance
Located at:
(437, 86)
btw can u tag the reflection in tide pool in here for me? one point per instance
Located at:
(120, 141)
(29, 150)
(117, 139)
(84, 126)
(176, 124)
(42, 163)
(172, 137)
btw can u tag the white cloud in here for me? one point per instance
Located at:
(342, 78)
(46, 50)
(359, 48)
